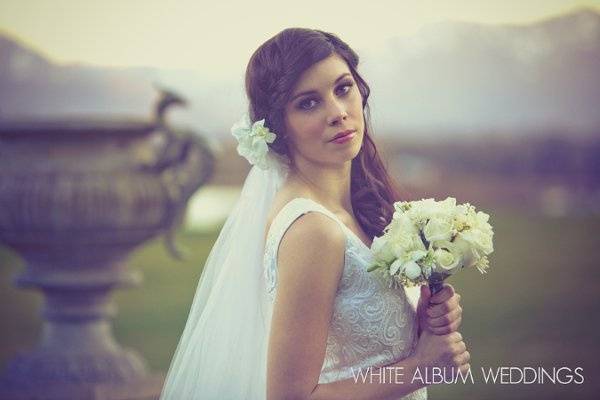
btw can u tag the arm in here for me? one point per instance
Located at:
(372, 390)
(445, 351)
(309, 266)
(310, 262)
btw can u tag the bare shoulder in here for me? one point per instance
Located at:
(310, 258)
(309, 263)
(286, 194)
(313, 231)
(311, 234)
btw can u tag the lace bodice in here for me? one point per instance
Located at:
(372, 324)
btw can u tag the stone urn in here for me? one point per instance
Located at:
(76, 197)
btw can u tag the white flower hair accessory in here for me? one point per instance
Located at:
(252, 140)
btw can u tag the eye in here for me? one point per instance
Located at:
(307, 104)
(344, 88)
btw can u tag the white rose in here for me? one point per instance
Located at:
(449, 257)
(412, 270)
(480, 239)
(466, 250)
(421, 210)
(417, 255)
(445, 259)
(402, 224)
(403, 236)
(438, 229)
(410, 244)
(447, 207)
(382, 250)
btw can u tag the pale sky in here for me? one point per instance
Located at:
(220, 35)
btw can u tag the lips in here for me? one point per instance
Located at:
(342, 134)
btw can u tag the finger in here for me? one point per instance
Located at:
(447, 329)
(446, 293)
(466, 357)
(454, 298)
(454, 326)
(454, 337)
(458, 348)
(464, 369)
(445, 319)
(425, 291)
(461, 359)
(440, 309)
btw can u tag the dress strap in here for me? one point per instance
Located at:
(294, 209)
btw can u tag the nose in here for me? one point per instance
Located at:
(336, 112)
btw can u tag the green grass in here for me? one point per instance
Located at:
(538, 306)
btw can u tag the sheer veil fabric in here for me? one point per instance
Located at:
(222, 351)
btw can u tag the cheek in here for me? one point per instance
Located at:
(361, 127)
(306, 127)
(357, 114)
(357, 108)
(306, 132)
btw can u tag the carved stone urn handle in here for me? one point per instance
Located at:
(177, 164)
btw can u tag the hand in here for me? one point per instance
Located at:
(448, 351)
(441, 313)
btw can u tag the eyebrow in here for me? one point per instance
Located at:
(314, 91)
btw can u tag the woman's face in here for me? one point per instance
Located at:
(325, 104)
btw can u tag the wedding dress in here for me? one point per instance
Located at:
(222, 351)
(372, 324)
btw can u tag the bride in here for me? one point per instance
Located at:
(285, 308)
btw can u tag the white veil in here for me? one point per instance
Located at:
(222, 351)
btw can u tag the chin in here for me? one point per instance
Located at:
(349, 153)
(342, 158)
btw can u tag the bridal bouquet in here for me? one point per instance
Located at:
(429, 240)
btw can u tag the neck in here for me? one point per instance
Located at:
(330, 185)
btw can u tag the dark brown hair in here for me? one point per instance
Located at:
(272, 74)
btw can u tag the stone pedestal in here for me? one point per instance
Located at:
(75, 199)
(148, 388)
